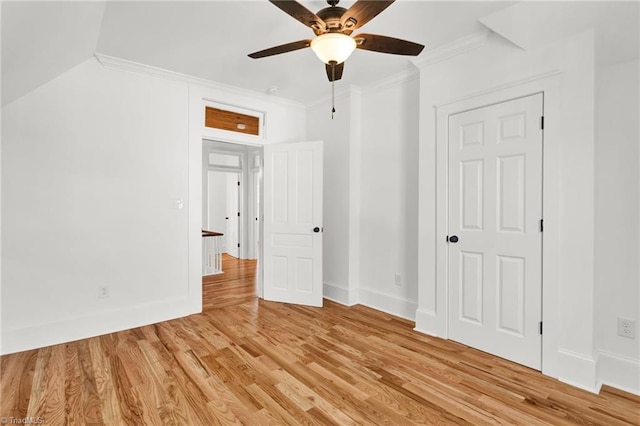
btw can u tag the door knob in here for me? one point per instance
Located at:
(316, 229)
(453, 239)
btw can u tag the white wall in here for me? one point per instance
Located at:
(617, 230)
(370, 194)
(389, 196)
(93, 164)
(335, 133)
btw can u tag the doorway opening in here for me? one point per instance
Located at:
(231, 199)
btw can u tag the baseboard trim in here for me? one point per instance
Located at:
(77, 328)
(427, 323)
(619, 372)
(339, 294)
(578, 370)
(388, 303)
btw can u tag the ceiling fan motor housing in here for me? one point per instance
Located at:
(332, 16)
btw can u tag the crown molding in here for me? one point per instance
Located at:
(453, 49)
(126, 65)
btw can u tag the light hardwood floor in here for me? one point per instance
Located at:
(236, 285)
(247, 361)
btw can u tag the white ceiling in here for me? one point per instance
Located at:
(211, 39)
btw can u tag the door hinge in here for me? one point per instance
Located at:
(541, 327)
(238, 244)
(238, 183)
(542, 122)
(238, 214)
(541, 225)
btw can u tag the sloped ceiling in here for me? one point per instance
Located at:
(616, 24)
(211, 39)
(41, 40)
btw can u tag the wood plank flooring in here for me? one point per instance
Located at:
(247, 361)
(236, 285)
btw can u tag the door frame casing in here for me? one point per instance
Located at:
(549, 86)
(198, 133)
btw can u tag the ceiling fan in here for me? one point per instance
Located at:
(333, 26)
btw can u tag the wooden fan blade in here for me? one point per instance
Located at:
(284, 48)
(334, 72)
(362, 12)
(384, 44)
(301, 13)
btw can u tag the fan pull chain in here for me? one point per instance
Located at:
(333, 92)
(333, 99)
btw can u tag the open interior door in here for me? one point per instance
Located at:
(293, 223)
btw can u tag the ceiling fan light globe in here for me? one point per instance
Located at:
(332, 47)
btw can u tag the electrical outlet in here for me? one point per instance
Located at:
(626, 328)
(103, 292)
(398, 279)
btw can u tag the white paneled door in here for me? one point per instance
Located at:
(495, 238)
(293, 223)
